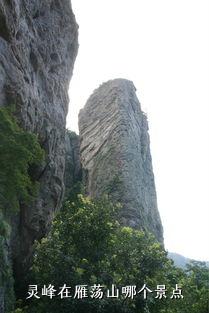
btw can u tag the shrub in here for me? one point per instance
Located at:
(19, 150)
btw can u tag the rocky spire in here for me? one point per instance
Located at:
(115, 154)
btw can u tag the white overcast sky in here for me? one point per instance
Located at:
(163, 47)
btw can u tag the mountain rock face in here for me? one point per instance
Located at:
(38, 47)
(115, 154)
(73, 171)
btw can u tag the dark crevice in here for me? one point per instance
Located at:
(4, 31)
(18, 34)
(55, 5)
(34, 61)
(36, 15)
(54, 57)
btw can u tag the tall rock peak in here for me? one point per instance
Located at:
(115, 154)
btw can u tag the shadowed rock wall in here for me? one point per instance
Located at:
(38, 47)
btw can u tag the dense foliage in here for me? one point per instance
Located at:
(19, 150)
(87, 246)
(196, 294)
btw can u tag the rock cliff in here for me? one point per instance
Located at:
(115, 154)
(73, 171)
(38, 47)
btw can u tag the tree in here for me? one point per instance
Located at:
(196, 290)
(88, 246)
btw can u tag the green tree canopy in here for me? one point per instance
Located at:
(88, 246)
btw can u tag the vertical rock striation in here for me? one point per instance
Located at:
(38, 47)
(115, 154)
(73, 171)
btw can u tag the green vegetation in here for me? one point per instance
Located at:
(71, 134)
(19, 153)
(87, 246)
(196, 295)
(6, 278)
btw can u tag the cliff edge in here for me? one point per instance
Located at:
(38, 47)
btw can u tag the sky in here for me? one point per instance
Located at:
(163, 47)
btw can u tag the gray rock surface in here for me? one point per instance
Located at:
(73, 171)
(38, 47)
(115, 154)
